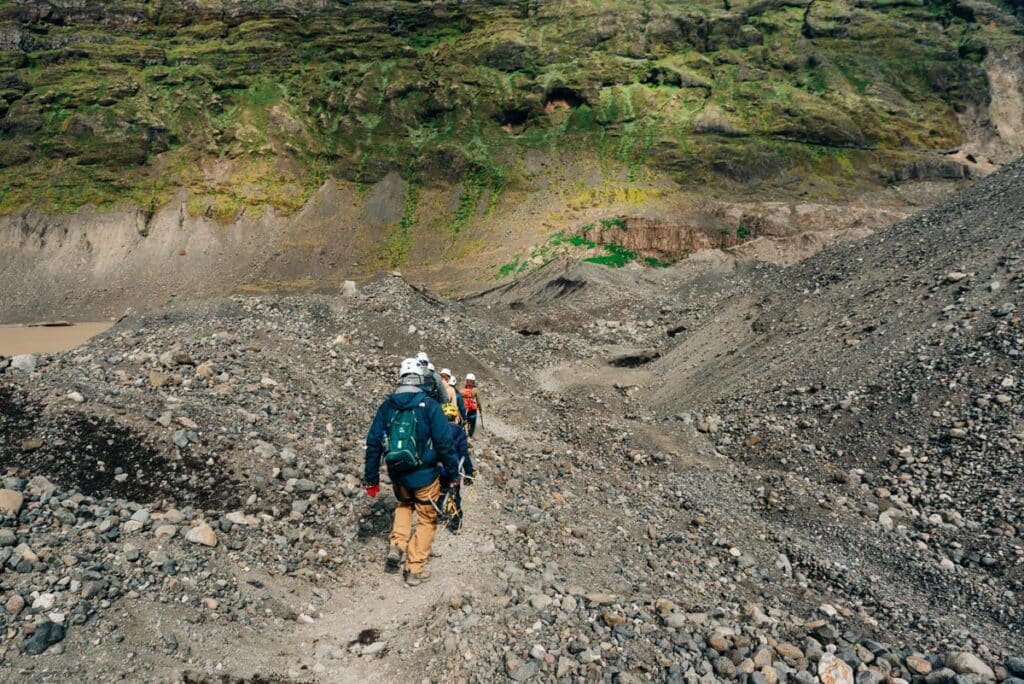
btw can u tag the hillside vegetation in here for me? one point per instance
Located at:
(253, 104)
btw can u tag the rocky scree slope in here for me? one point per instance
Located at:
(888, 479)
(908, 371)
(891, 369)
(204, 458)
(630, 534)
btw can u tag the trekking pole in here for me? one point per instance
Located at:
(466, 493)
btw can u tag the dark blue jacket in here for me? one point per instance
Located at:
(433, 431)
(461, 446)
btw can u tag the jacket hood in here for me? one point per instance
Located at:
(404, 400)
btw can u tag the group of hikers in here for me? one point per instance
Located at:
(423, 432)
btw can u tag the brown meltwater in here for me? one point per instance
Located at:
(46, 339)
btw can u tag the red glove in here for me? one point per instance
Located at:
(372, 490)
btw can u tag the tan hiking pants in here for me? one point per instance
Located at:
(418, 547)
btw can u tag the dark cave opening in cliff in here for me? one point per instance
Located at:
(563, 98)
(512, 117)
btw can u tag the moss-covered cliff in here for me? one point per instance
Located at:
(252, 103)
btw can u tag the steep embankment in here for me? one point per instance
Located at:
(300, 141)
(126, 97)
(868, 397)
(891, 367)
(98, 263)
(851, 312)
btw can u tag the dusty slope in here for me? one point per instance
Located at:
(893, 362)
(878, 379)
(656, 521)
(853, 310)
(97, 263)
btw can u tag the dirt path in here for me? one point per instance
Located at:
(461, 566)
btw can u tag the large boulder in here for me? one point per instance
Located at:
(10, 502)
(26, 363)
(202, 534)
(965, 663)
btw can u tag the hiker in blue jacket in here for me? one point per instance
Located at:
(419, 441)
(463, 474)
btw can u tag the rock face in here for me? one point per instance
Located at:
(650, 237)
(470, 106)
(606, 70)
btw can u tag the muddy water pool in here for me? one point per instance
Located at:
(21, 339)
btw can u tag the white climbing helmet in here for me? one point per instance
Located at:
(453, 381)
(422, 359)
(430, 367)
(470, 376)
(410, 366)
(446, 371)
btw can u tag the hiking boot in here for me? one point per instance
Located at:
(414, 579)
(454, 526)
(394, 560)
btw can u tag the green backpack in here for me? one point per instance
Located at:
(405, 453)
